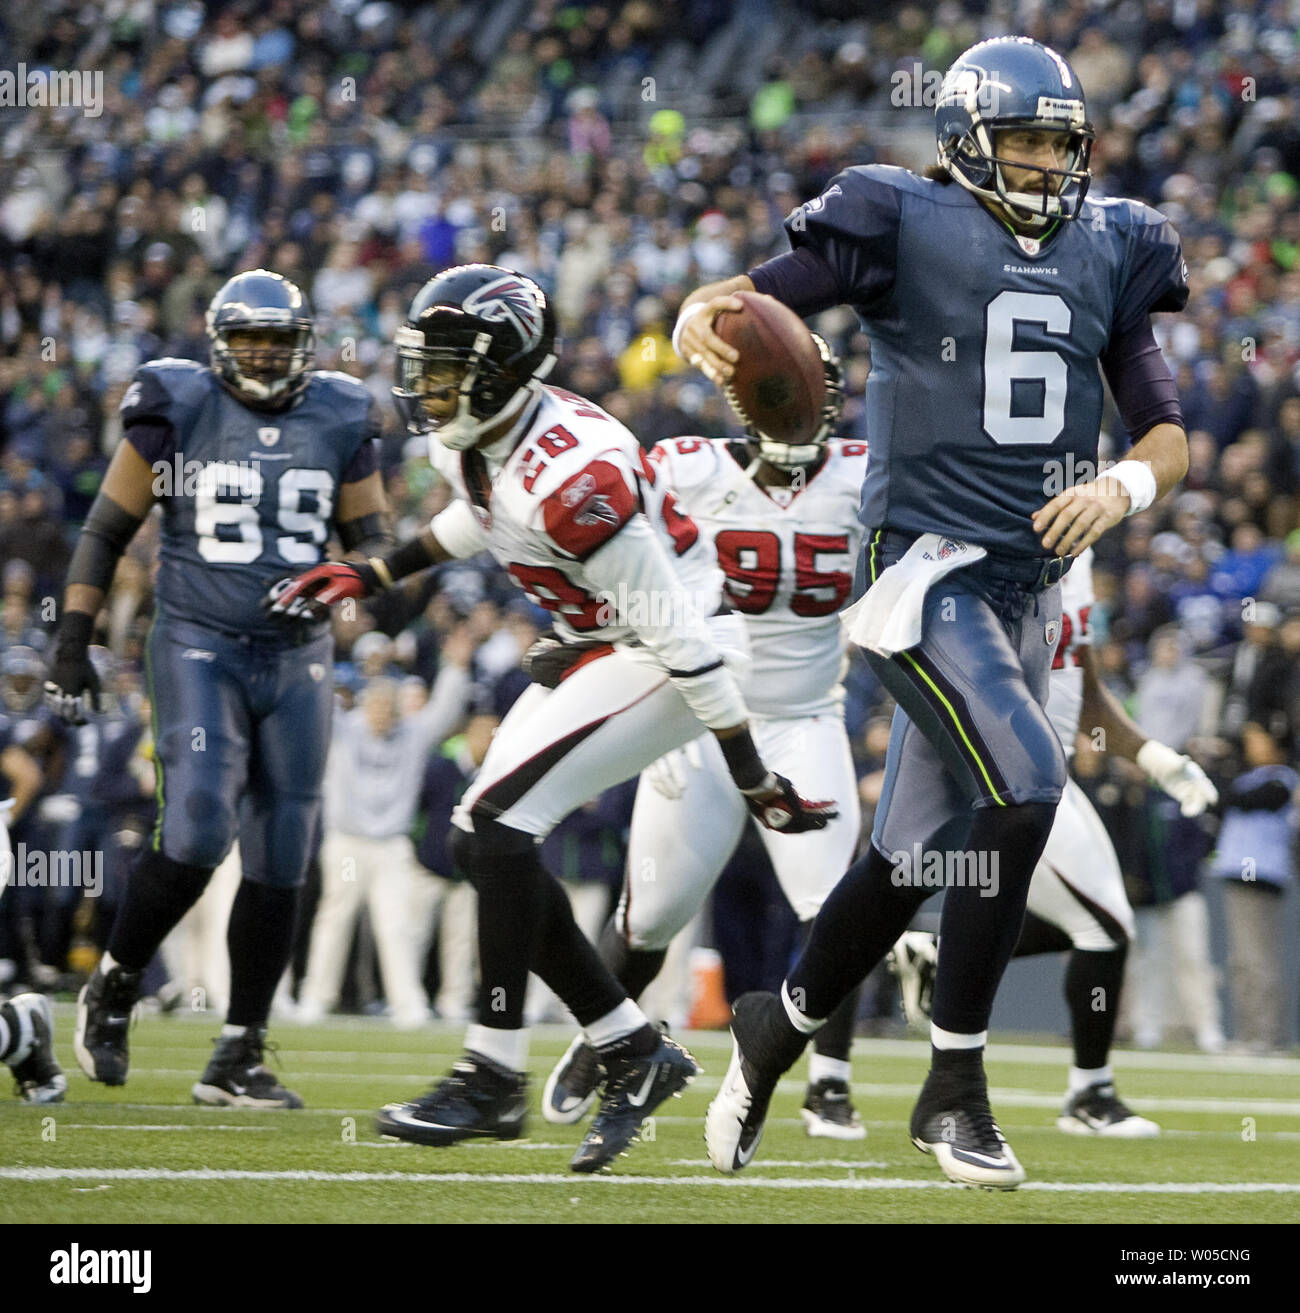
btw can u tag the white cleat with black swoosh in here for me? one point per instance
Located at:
(952, 1120)
(634, 1088)
(764, 1047)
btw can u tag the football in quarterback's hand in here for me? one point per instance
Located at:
(779, 386)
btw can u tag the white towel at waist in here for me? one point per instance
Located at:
(887, 618)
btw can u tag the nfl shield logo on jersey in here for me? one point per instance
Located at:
(268, 437)
(1051, 632)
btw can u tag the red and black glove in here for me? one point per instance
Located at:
(777, 806)
(310, 595)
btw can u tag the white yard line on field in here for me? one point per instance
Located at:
(43, 1174)
(1011, 1098)
(174, 1126)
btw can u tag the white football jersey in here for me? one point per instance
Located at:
(1065, 692)
(569, 506)
(788, 558)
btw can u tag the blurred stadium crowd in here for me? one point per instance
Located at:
(622, 153)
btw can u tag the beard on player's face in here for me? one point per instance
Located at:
(1035, 150)
(262, 354)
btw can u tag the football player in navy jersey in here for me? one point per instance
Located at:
(992, 288)
(254, 462)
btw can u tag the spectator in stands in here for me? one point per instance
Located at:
(1171, 694)
(449, 772)
(1256, 863)
(371, 785)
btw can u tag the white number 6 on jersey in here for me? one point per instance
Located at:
(1003, 364)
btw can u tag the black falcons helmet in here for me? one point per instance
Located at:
(261, 299)
(495, 328)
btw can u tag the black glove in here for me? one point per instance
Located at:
(72, 689)
(777, 806)
(550, 658)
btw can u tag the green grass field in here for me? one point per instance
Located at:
(1230, 1151)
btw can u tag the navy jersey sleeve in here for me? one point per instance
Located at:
(853, 227)
(1155, 277)
(365, 460)
(147, 416)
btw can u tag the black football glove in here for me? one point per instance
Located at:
(72, 689)
(309, 596)
(550, 658)
(777, 806)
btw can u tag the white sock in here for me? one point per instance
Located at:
(822, 1068)
(1081, 1078)
(231, 1032)
(804, 1025)
(507, 1048)
(106, 963)
(949, 1039)
(614, 1026)
(22, 1038)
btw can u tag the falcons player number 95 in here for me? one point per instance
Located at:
(645, 655)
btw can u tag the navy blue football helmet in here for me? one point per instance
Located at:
(491, 329)
(259, 300)
(1013, 82)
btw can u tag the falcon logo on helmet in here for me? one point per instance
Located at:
(482, 337)
(510, 299)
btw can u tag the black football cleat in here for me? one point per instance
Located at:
(237, 1076)
(103, 1018)
(763, 1049)
(634, 1088)
(572, 1086)
(952, 1120)
(478, 1099)
(37, 1075)
(828, 1112)
(1098, 1110)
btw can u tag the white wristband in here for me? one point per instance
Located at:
(1135, 477)
(681, 323)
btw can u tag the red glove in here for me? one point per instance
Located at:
(778, 807)
(309, 596)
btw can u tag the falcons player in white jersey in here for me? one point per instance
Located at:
(644, 654)
(783, 522)
(1076, 898)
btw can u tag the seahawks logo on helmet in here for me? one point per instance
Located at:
(509, 299)
(1014, 84)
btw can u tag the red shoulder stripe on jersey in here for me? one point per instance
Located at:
(588, 509)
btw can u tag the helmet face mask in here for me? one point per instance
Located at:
(476, 346)
(797, 456)
(1013, 84)
(262, 338)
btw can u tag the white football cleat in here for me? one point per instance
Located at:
(1098, 1110)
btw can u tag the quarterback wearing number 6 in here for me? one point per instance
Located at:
(996, 294)
(254, 462)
